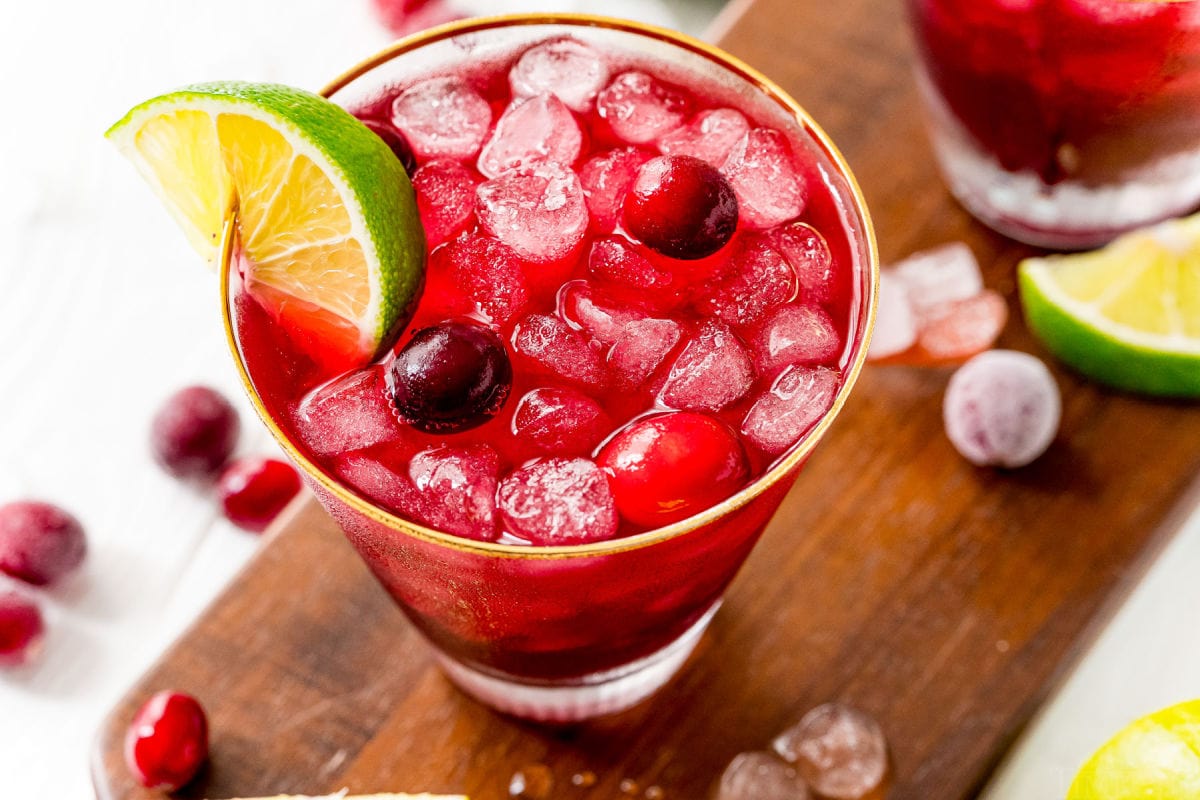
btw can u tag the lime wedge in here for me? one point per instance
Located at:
(1155, 758)
(1127, 315)
(326, 215)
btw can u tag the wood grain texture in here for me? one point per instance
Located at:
(942, 598)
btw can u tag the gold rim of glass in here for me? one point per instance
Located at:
(647, 538)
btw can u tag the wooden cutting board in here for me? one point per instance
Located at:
(944, 599)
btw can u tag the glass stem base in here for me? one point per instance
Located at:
(580, 698)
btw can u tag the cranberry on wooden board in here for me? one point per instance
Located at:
(167, 741)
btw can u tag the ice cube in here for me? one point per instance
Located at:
(456, 488)
(1002, 408)
(566, 68)
(795, 334)
(807, 251)
(709, 136)
(588, 309)
(614, 260)
(558, 501)
(962, 328)
(442, 118)
(795, 403)
(713, 371)
(938, 276)
(348, 413)
(763, 174)
(380, 484)
(532, 130)
(484, 271)
(756, 280)
(445, 199)
(895, 321)
(552, 347)
(560, 422)
(840, 751)
(538, 211)
(641, 348)
(639, 109)
(760, 776)
(606, 179)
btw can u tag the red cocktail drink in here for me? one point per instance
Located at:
(649, 287)
(1064, 122)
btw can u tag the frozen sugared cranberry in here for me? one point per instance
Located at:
(668, 467)
(450, 377)
(395, 140)
(167, 742)
(682, 207)
(194, 432)
(39, 542)
(21, 630)
(254, 490)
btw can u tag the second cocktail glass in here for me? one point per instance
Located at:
(562, 633)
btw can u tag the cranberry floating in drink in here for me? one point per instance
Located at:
(648, 287)
(1064, 122)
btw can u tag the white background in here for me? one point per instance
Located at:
(104, 311)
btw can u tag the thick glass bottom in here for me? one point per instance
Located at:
(579, 698)
(1067, 215)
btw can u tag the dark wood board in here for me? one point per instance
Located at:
(944, 599)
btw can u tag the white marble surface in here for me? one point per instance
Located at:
(103, 311)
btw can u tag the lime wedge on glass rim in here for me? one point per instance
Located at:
(327, 220)
(1154, 758)
(1127, 315)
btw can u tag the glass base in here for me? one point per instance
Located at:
(579, 698)
(1068, 215)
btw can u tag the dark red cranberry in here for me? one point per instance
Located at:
(194, 432)
(39, 542)
(450, 377)
(668, 467)
(395, 140)
(21, 630)
(681, 207)
(254, 490)
(167, 742)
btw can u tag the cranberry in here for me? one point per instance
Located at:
(668, 467)
(450, 377)
(395, 140)
(167, 742)
(194, 432)
(21, 630)
(254, 490)
(681, 207)
(39, 542)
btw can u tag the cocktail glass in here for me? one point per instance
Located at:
(1063, 123)
(566, 633)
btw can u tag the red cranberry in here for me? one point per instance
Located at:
(167, 742)
(395, 140)
(668, 467)
(194, 432)
(450, 377)
(21, 630)
(39, 542)
(681, 207)
(254, 490)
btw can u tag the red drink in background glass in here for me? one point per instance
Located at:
(1064, 122)
(601, 604)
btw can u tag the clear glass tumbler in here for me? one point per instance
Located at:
(1064, 123)
(565, 633)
